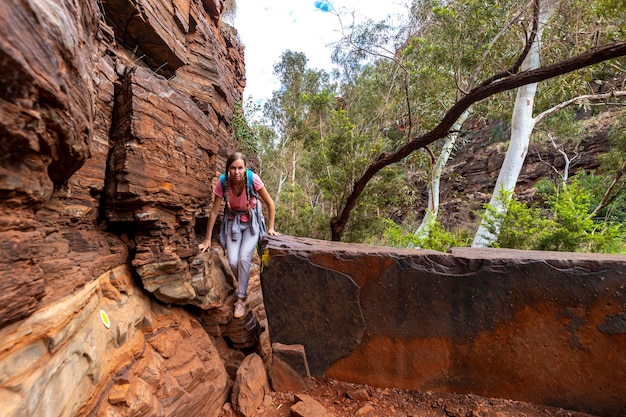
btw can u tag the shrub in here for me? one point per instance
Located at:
(438, 239)
(563, 224)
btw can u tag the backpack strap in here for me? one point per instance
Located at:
(251, 190)
(224, 188)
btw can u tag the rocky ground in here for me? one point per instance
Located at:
(343, 399)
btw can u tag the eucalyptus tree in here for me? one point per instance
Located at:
(521, 127)
(478, 33)
(292, 107)
(586, 34)
(497, 83)
(423, 78)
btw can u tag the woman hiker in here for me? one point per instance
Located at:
(242, 223)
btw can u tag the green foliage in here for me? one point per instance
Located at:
(574, 229)
(438, 238)
(243, 134)
(607, 186)
(305, 96)
(563, 224)
(296, 217)
(612, 11)
(393, 235)
(571, 227)
(382, 195)
(521, 227)
(565, 125)
(339, 157)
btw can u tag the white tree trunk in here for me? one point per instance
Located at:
(430, 216)
(522, 124)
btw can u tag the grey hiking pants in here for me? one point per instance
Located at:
(240, 253)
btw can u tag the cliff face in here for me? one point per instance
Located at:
(114, 121)
(111, 117)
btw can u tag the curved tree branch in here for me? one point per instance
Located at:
(479, 93)
(576, 100)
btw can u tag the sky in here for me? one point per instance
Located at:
(269, 27)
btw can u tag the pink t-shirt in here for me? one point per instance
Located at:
(239, 203)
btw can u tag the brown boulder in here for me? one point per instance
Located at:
(289, 370)
(307, 406)
(251, 386)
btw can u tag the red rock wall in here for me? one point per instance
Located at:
(112, 114)
(542, 327)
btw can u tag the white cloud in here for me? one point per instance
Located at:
(268, 28)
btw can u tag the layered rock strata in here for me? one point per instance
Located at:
(542, 327)
(112, 115)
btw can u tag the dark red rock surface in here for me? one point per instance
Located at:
(547, 328)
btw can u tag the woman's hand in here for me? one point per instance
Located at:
(204, 246)
(272, 232)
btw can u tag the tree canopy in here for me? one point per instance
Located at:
(350, 149)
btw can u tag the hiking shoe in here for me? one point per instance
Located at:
(240, 309)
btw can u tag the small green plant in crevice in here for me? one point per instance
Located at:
(243, 134)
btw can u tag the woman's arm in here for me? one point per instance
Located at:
(206, 244)
(267, 200)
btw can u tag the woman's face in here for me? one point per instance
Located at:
(237, 170)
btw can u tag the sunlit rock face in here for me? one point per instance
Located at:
(111, 117)
(542, 327)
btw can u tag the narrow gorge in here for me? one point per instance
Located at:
(116, 120)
